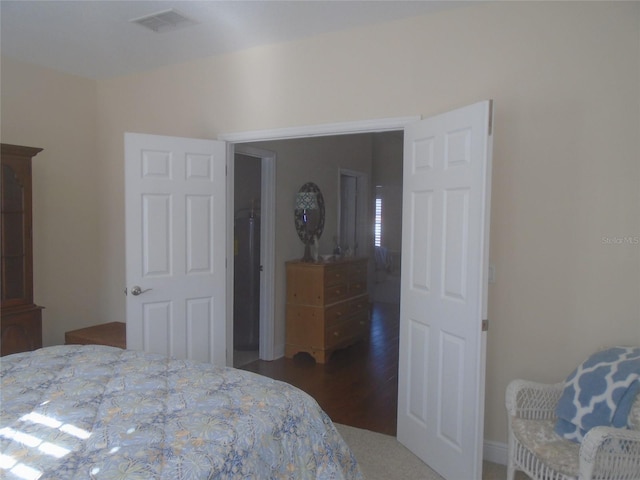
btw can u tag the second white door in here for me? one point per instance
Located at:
(445, 245)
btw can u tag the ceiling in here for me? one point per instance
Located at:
(96, 39)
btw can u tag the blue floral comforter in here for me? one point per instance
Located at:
(85, 412)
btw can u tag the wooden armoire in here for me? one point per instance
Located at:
(21, 319)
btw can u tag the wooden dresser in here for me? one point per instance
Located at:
(327, 306)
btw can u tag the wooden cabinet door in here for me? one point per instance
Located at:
(17, 251)
(21, 331)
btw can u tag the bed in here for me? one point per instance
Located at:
(80, 412)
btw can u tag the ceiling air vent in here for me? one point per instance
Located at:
(164, 21)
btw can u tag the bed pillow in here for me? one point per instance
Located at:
(601, 391)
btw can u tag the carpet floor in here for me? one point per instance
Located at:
(382, 457)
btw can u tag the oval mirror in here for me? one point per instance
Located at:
(309, 212)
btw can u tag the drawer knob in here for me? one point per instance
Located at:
(336, 334)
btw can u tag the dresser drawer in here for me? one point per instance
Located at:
(358, 272)
(346, 330)
(359, 305)
(336, 293)
(357, 288)
(337, 274)
(338, 312)
(362, 323)
(305, 326)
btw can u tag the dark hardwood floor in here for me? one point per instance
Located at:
(358, 386)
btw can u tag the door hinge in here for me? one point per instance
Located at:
(485, 325)
(490, 132)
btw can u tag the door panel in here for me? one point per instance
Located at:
(175, 220)
(450, 383)
(447, 171)
(199, 234)
(418, 397)
(455, 245)
(421, 235)
(156, 235)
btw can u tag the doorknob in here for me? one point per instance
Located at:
(136, 290)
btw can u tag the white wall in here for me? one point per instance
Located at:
(57, 112)
(565, 78)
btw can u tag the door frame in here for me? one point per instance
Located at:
(267, 248)
(362, 208)
(268, 198)
(322, 130)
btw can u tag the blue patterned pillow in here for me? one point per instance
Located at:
(600, 391)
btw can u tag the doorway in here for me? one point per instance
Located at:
(353, 220)
(246, 259)
(251, 217)
(339, 149)
(387, 180)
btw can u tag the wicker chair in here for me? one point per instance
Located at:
(534, 448)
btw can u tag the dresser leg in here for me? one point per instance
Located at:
(320, 356)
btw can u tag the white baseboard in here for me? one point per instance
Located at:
(278, 352)
(495, 452)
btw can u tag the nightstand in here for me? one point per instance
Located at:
(113, 334)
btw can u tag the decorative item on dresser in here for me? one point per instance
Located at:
(21, 319)
(309, 218)
(327, 306)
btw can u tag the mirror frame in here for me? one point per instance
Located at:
(307, 236)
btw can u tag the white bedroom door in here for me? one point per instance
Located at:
(445, 245)
(175, 191)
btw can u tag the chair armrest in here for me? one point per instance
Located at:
(532, 400)
(608, 452)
